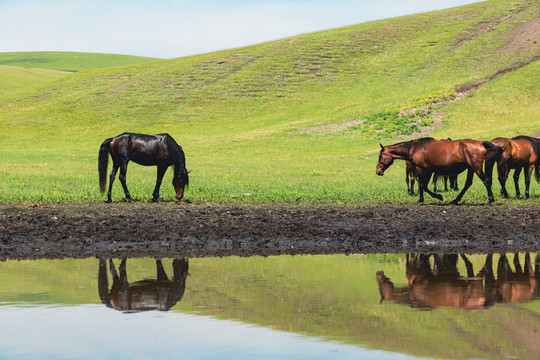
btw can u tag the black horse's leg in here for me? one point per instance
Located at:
(122, 177)
(161, 274)
(446, 183)
(160, 173)
(517, 172)
(467, 185)
(487, 183)
(111, 180)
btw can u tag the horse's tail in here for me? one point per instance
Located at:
(103, 163)
(493, 152)
(536, 147)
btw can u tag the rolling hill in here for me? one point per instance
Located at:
(297, 119)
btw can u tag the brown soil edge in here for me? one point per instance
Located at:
(192, 230)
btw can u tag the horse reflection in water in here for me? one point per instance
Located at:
(443, 286)
(151, 294)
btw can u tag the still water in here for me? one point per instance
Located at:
(393, 306)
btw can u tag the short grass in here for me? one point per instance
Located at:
(239, 114)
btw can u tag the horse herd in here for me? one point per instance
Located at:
(427, 156)
(424, 157)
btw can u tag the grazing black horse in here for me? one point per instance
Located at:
(150, 150)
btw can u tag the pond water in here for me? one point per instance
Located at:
(375, 306)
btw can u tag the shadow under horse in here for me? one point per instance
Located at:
(444, 157)
(150, 294)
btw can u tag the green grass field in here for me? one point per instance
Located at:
(241, 115)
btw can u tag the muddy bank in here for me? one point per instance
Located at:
(167, 230)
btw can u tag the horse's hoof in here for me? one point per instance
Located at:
(108, 201)
(454, 202)
(158, 200)
(519, 196)
(419, 202)
(439, 197)
(131, 200)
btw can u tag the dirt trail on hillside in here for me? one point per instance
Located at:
(167, 230)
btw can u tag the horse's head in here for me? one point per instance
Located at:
(180, 181)
(385, 160)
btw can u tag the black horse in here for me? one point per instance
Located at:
(149, 150)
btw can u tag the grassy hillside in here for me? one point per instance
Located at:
(265, 123)
(68, 61)
(27, 70)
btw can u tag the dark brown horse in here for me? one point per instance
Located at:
(444, 157)
(150, 150)
(520, 153)
(151, 294)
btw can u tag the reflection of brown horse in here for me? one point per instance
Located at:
(159, 294)
(430, 288)
(442, 285)
(518, 285)
(444, 157)
(520, 153)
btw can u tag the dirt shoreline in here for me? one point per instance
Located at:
(193, 230)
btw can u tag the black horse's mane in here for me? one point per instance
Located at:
(178, 156)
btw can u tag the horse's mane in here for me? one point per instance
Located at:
(420, 142)
(178, 155)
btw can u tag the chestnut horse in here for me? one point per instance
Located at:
(444, 157)
(150, 150)
(520, 153)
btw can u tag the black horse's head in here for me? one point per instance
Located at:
(180, 182)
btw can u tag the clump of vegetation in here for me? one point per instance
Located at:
(393, 123)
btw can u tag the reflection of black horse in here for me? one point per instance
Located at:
(442, 285)
(152, 294)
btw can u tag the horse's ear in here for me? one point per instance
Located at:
(189, 171)
(382, 147)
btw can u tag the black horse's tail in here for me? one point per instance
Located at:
(103, 163)
(493, 152)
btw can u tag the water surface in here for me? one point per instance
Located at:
(393, 306)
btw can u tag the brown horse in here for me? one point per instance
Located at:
(159, 294)
(149, 150)
(444, 157)
(520, 153)
(518, 285)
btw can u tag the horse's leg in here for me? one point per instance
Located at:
(467, 185)
(503, 171)
(407, 181)
(111, 180)
(486, 180)
(161, 274)
(446, 183)
(517, 172)
(528, 173)
(468, 265)
(160, 173)
(435, 179)
(412, 184)
(517, 264)
(432, 194)
(122, 177)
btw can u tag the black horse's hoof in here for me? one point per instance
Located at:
(419, 202)
(108, 201)
(454, 202)
(439, 197)
(158, 199)
(519, 196)
(131, 200)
